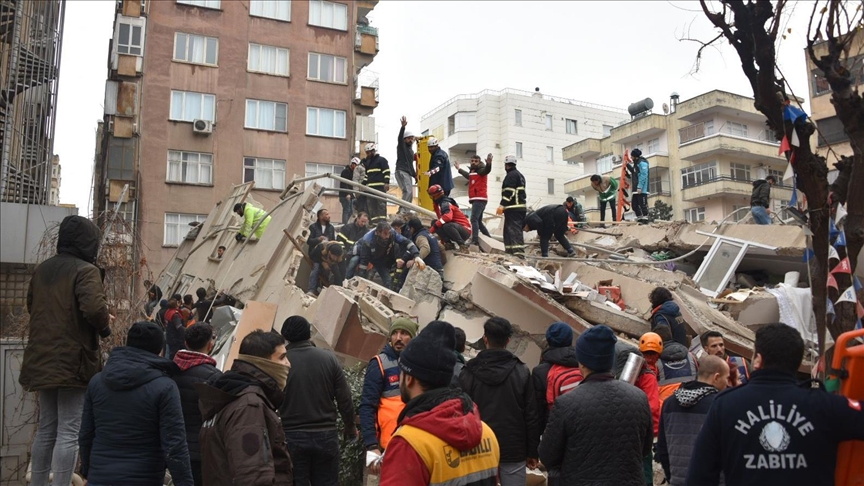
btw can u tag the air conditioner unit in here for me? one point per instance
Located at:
(202, 126)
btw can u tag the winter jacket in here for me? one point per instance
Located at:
(607, 187)
(680, 422)
(761, 195)
(320, 254)
(377, 172)
(433, 258)
(676, 364)
(251, 217)
(547, 219)
(500, 385)
(316, 379)
(513, 191)
(645, 381)
(439, 168)
(441, 440)
(575, 212)
(349, 234)
(377, 387)
(772, 431)
(477, 182)
(132, 427)
(242, 441)
(405, 155)
(316, 232)
(669, 314)
(194, 368)
(641, 174)
(175, 329)
(448, 212)
(560, 356)
(347, 173)
(379, 252)
(598, 433)
(68, 312)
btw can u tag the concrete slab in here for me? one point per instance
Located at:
(424, 289)
(471, 321)
(597, 313)
(633, 290)
(329, 313)
(491, 245)
(399, 303)
(701, 318)
(758, 308)
(460, 270)
(377, 313)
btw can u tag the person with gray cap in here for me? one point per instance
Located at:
(405, 173)
(132, 427)
(602, 429)
(315, 390)
(440, 439)
(558, 371)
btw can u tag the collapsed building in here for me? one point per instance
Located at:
(607, 284)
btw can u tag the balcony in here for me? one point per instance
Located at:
(366, 40)
(366, 89)
(699, 142)
(727, 186)
(584, 148)
(658, 160)
(639, 129)
(719, 103)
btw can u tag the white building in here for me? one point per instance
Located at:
(532, 126)
(54, 196)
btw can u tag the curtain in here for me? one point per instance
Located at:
(325, 127)
(312, 121)
(267, 115)
(196, 49)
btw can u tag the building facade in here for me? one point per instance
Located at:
(203, 95)
(703, 156)
(56, 180)
(532, 126)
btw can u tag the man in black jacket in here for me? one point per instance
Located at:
(196, 366)
(560, 351)
(760, 199)
(132, 427)
(326, 260)
(347, 198)
(599, 432)
(378, 178)
(773, 431)
(547, 221)
(320, 231)
(513, 204)
(309, 413)
(500, 385)
(405, 173)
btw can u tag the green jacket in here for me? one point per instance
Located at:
(251, 217)
(607, 187)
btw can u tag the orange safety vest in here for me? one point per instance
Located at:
(391, 403)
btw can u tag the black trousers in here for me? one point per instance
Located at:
(560, 232)
(377, 210)
(454, 232)
(315, 456)
(514, 221)
(640, 204)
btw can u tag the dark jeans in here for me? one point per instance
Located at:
(347, 209)
(315, 456)
(611, 203)
(640, 205)
(454, 232)
(196, 473)
(477, 226)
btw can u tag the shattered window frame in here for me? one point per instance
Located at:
(713, 265)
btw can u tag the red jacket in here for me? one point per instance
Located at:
(448, 212)
(477, 182)
(647, 382)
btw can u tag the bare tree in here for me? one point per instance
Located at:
(752, 28)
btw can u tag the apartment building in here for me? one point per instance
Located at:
(203, 95)
(56, 179)
(534, 127)
(704, 155)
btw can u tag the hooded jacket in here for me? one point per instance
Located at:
(539, 376)
(680, 422)
(439, 167)
(669, 314)
(132, 427)
(405, 155)
(68, 312)
(448, 415)
(761, 195)
(646, 381)
(500, 385)
(242, 441)
(194, 368)
(347, 173)
(676, 364)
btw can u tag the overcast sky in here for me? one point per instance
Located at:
(610, 53)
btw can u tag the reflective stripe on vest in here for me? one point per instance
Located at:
(676, 371)
(391, 403)
(449, 466)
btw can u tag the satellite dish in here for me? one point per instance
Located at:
(665, 109)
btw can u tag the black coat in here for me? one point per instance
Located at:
(547, 219)
(761, 195)
(186, 381)
(680, 422)
(315, 232)
(132, 426)
(560, 356)
(500, 385)
(598, 433)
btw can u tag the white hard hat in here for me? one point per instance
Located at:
(510, 159)
(432, 142)
(370, 147)
(408, 133)
(355, 160)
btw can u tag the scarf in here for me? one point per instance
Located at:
(186, 359)
(277, 371)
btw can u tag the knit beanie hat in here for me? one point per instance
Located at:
(296, 329)
(405, 324)
(559, 335)
(147, 336)
(429, 357)
(595, 348)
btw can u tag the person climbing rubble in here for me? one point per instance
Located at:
(452, 226)
(251, 216)
(381, 249)
(513, 204)
(548, 221)
(326, 265)
(427, 245)
(478, 176)
(349, 235)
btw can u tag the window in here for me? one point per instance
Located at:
(177, 226)
(653, 146)
(272, 9)
(518, 150)
(655, 185)
(130, 38)
(820, 84)
(605, 163)
(740, 172)
(708, 127)
(189, 106)
(778, 207)
(518, 118)
(330, 69)
(190, 167)
(831, 131)
(196, 49)
(695, 215)
(313, 169)
(121, 159)
(325, 122)
(268, 60)
(572, 127)
(698, 174)
(737, 129)
(550, 154)
(267, 115)
(202, 3)
(465, 121)
(607, 130)
(328, 14)
(739, 212)
(778, 174)
(548, 122)
(267, 173)
(550, 186)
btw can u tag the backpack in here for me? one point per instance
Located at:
(559, 381)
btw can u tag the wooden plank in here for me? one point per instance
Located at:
(256, 315)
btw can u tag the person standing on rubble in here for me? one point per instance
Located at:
(547, 221)
(251, 216)
(381, 402)
(427, 246)
(439, 167)
(326, 260)
(381, 249)
(607, 188)
(739, 368)
(349, 235)
(640, 185)
(760, 200)
(675, 366)
(359, 177)
(500, 384)
(405, 173)
(452, 225)
(666, 312)
(320, 231)
(558, 371)
(347, 198)
(477, 175)
(377, 177)
(513, 204)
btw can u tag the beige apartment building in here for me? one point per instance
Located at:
(704, 155)
(203, 95)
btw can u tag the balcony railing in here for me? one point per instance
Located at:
(698, 131)
(708, 180)
(368, 30)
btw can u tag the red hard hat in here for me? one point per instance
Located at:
(435, 190)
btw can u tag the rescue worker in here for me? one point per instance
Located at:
(651, 347)
(547, 221)
(326, 265)
(378, 178)
(349, 235)
(427, 245)
(439, 167)
(405, 174)
(347, 198)
(666, 312)
(640, 185)
(381, 402)
(607, 188)
(251, 216)
(452, 225)
(381, 248)
(512, 206)
(440, 439)
(675, 366)
(477, 175)
(574, 210)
